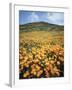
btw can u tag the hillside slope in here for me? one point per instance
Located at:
(40, 26)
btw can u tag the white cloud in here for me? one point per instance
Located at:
(50, 17)
(33, 17)
(56, 18)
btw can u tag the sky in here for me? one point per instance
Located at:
(37, 16)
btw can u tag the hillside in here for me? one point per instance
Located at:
(39, 26)
(41, 50)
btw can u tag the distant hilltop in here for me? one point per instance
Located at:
(42, 26)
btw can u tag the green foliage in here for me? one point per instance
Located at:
(40, 26)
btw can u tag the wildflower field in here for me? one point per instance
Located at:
(41, 54)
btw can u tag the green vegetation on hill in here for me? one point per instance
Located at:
(40, 26)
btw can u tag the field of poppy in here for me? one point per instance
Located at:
(41, 54)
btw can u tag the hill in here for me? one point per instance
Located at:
(39, 26)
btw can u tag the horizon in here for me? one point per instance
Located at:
(26, 17)
(40, 22)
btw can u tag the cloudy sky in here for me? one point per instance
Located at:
(50, 17)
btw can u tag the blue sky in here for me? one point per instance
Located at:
(36, 16)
